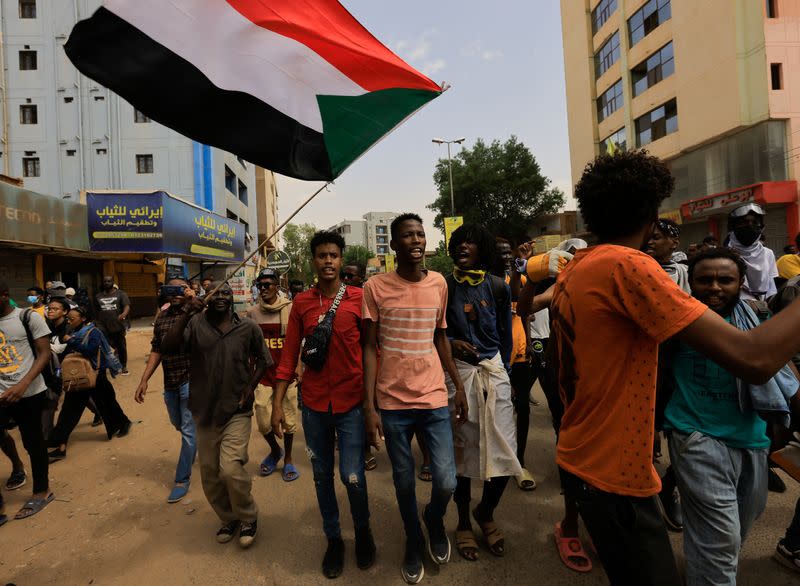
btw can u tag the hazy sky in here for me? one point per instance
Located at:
(504, 62)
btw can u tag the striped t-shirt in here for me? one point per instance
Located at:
(410, 375)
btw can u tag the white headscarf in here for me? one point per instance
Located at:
(759, 282)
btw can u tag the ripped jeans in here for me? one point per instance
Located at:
(322, 430)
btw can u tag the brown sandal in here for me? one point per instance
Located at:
(495, 540)
(466, 545)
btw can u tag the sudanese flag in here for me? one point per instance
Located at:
(299, 87)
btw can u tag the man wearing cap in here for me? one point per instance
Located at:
(746, 224)
(271, 313)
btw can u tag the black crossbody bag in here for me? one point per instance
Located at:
(315, 345)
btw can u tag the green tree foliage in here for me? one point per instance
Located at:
(499, 185)
(296, 239)
(441, 261)
(355, 254)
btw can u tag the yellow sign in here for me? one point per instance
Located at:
(451, 223)
(674, 215)
(390, 262)
(548, 242)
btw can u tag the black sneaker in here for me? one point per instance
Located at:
(333, 562)
(125, 429)
(774, 482)
(438, 542)
(97, 421)
(227, 531)
(365, 548)
(55, 455)
(247, 534)
(413, 570)
(671, 510)
(787, 555)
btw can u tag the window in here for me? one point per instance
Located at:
(68, 100)
(647, 19)
(28, 114)
(776, 75)
(230, 180)
(607, 55)
(657, 123)
(383, 250)
(610, 101)
(241, 162)
(380, 230)
(772, 8)
(70, 152)
(615, 142)
(99, 98)
(140, 118)
(27, 60)
(601, 13)
(30, 167)
(381, 240)
(144, 164)
(242, 193)
(27, 8)
(656, 67)
(231, 215)
(105, 152)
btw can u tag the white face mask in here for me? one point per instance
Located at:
(33, 298)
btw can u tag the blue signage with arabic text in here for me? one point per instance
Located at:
(158, 222)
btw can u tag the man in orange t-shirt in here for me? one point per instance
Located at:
(611, 307)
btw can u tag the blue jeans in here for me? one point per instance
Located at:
(434, 424)
(181, 418)
(321, 431)
(723, 491)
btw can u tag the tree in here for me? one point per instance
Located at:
(296, 240)
(357, 254)
(441, 261)
(499, 185)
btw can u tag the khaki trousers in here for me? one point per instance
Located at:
(222, 452)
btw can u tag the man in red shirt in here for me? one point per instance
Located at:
(332, 399)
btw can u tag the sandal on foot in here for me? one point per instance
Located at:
(466, 545)
(33, 506)
(269, 464)
(425, 473)
(571, 551)
(525, 481)
(290, 473)
(370, 463)
(495, 540)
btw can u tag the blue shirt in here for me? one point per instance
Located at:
(475, 316)
(705, 399)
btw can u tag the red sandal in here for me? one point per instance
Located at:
(571, 549)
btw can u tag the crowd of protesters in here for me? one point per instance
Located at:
(629, 338)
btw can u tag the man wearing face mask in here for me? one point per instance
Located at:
(227, 357)
(746, 223)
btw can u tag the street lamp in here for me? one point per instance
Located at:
(450, 166)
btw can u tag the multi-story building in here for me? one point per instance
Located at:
(712, 87)
(63, 132)
(372, 231)
(354, 232)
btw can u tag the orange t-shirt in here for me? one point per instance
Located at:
(612, 307)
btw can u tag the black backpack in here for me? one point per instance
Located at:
(52, 370)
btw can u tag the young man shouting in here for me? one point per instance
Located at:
(332, 398)
(405, 311)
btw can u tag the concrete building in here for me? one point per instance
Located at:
(372, 231)
(267, 207)
(712, 87)
(63, 133)
(354, 232)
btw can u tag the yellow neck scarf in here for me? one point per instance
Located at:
(471, 277)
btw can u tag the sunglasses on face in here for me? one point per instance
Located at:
(349, 276)
(266, 285)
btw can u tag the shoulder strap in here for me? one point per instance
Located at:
(26, 323)
(498, 286)
(338, 299)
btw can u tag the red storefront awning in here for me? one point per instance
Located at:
(765, 193)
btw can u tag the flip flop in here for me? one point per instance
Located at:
(371, 463)
(525, 481)
(466, 544)
(571, 549)
(269, 464)
(425, 473)
(495, 540)
(290, 473)
(33, 506)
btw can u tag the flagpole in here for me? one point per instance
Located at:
(271, 236)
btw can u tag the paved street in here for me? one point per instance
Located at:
(110, 523)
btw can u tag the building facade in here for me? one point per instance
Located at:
(372, 231)
(63, 133)
(711, 87)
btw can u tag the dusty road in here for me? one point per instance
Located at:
(110, 523)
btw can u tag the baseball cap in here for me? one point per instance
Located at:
(69, 291)
(58, 285)
(267, 274)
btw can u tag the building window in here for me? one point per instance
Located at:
(614, 143)
(30, 167)
(242, 192)
(380, 230)
(144, 164)
(656, 67)
(28, 114)
(105, 152)
(231, 215)
(647, 19)
(241, 162)
(383, 250)
(68, 100)
(657, 123)
(776, 75)
(140, 118)
(772, 8)
(607, 55)
(610, 101)
(70, 152)
(381, 240)
(601, 13)
(27, 60)
(99, 98)
(27, 8)
(230, 180)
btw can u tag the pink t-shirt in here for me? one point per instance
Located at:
(410, 375)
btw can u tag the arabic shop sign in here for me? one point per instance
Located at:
(158, 222)
(712, 204)
(33, 218)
